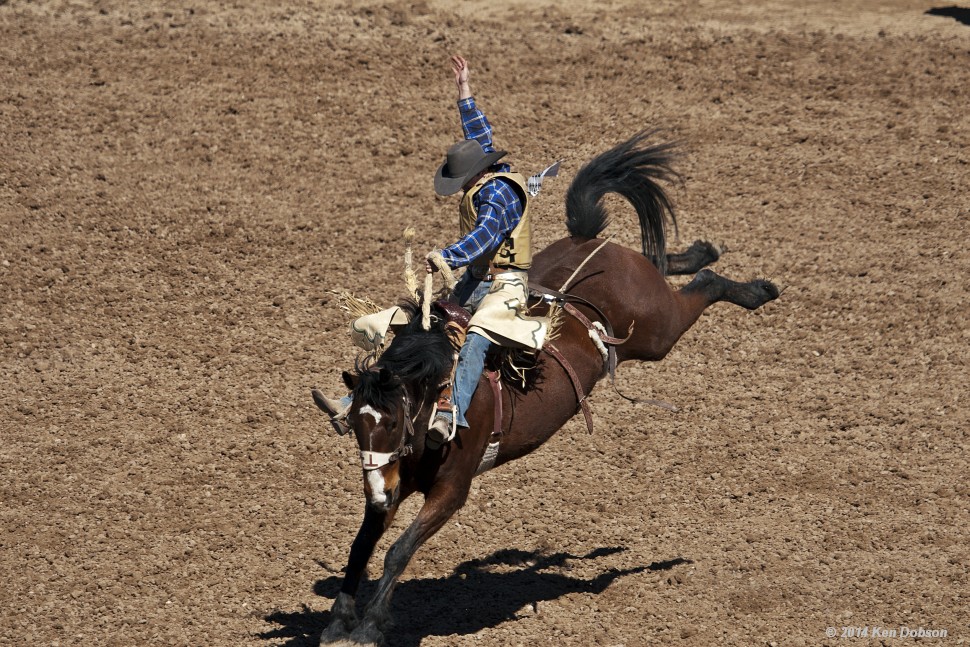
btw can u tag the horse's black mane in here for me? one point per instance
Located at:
(415, 356)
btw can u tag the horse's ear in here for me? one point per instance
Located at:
(350, 380)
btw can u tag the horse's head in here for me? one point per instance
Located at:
(392, 398)
(382, 419)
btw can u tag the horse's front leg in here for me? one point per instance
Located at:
(444, 499)
(343, 616)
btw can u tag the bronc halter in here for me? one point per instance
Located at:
(371, 460)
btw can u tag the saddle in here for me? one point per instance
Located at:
(513, 365)
(456, 320)
(517, 368)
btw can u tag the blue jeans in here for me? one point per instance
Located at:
(470, 291)
(471, 359)
(471, 362)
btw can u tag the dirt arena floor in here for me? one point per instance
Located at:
(183, 185)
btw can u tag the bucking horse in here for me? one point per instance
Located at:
(614, 306)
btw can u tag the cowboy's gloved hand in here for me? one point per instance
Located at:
(430, 267)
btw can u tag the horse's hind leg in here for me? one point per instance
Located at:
(699, 255)
(343, 618)
(709, 287)
(659, 326)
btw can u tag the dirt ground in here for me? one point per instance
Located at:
(184, 184)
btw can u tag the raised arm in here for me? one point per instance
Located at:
(473, 121)
(460, 68)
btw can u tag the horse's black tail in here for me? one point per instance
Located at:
(633, 170)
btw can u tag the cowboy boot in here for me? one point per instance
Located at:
(441, 431)
(336, 409)
(442, 428)
(457, 395)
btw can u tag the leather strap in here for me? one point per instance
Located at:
(493, 270)
(572, 298)
(608, 338)
(568, 300)
(495, 379)
(583, 319)
(577, 385)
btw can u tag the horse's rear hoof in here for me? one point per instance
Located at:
(769, 289)
(710, 251)
(760, 292)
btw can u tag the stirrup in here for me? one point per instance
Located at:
(442, 429)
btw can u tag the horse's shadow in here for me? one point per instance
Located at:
(960, 14)
(479, 594)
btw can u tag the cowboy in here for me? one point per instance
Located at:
(495, 247)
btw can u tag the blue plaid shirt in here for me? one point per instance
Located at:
(497, 204)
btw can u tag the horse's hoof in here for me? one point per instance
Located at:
(344, 642)
(755, 294)
(710, 249)
(343, 620)
(367, 633)
(336, 633)
(768, 289)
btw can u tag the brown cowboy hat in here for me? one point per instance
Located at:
(463, 161)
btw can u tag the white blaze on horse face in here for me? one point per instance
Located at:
(376, 482)
(372, 412)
